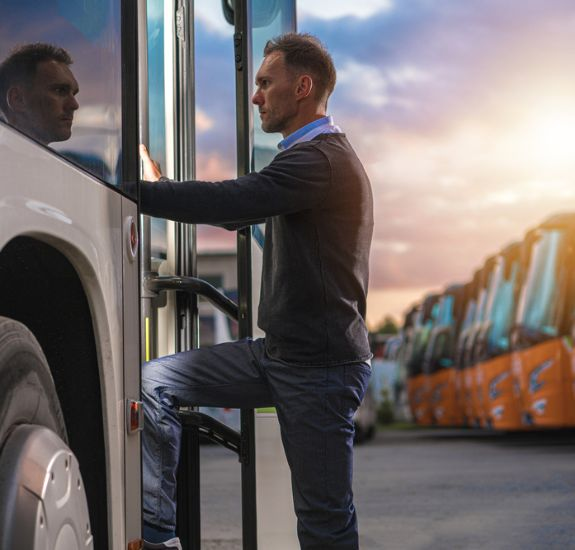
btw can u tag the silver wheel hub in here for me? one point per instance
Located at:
(43, 504)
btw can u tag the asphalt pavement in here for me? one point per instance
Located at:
(421, 489)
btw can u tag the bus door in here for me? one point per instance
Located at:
(501, 408)
(258, 22)
(542, 336)
(186, 75)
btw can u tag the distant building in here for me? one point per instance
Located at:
(219, 268)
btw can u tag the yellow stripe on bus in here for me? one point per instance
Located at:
(147, 338)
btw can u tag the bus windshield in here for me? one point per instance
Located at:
(539, 309)
(501, 305)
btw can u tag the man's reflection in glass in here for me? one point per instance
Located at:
(38, 92)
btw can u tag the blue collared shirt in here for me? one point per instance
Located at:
(322, 125)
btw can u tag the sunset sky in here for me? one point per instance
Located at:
(463, 113)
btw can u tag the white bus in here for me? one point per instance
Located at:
(74, 289)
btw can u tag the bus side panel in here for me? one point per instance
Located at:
(131, 334)
(470, 397)
(46, 198)
(544, 372)
(502, 408)
(419, 399)
(480, 410)
(445, 406)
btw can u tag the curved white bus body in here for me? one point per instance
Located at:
(45, 197)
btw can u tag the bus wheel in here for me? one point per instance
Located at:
(42, 499)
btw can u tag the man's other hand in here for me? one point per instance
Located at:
(150, 168)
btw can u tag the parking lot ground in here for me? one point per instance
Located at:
(434, 489)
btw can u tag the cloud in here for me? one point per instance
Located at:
(439, 100)
(336, 9)
(209, 14)
(364, 83)
(212, 166)
(203, 121)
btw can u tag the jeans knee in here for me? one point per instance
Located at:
(152, 385)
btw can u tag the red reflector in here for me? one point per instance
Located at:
(133, 236)
(135, 416)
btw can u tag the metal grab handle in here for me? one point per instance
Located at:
(213, 429)
(193, 285)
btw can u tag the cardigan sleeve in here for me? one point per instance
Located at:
(297, 179)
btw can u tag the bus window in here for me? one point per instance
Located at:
(539, 309)
(71, 103)
(216, 159)
(503, 307)
(273, 19)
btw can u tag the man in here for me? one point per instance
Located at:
(38, 92)
(313, 364)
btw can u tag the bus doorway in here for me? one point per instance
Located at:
(176, 296)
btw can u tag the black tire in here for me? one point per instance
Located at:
(27, 391)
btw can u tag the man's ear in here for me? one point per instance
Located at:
(304, 86)
(15, 99)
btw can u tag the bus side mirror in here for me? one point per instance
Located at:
(264, 11)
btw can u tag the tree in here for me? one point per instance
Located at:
(387, 326)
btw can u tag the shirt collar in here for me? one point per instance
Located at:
(322, 125)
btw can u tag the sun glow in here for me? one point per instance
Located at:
(550, 137)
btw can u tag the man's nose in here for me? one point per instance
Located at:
(257, 98)
(72, 103)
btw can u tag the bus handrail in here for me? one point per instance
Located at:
(193, 285)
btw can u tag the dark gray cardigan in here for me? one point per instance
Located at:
(317, 202)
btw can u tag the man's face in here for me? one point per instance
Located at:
(275, 95)
(46, 109)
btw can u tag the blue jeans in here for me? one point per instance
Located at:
(315, 407)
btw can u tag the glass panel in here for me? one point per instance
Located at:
(216, 155)
(541, 299)
(445, 317)
(494, 285)
(502, 310)
(270, 18)
(157, 116)
(68, 97)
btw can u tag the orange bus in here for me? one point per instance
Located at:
(542, 336)
(417, 386)
(439, 363)
(473, 375)
(500, 406)
(464, 379)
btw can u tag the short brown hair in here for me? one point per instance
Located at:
(305, 53)
(20, 65)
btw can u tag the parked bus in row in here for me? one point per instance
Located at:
(501, 408)
(513, 326)
(439, 361)
(542, 338)
(417, 383)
